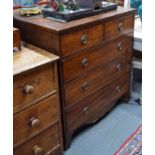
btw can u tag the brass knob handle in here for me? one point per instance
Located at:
(37, 150)
(120, 27)
(28, 89)
(85, 62)
(34, 122)
(85, 86)
(119, 46)
(86, 110)
(118, 89)
(118, 67)
(84, 39)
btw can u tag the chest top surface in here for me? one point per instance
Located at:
(58, 27)
(31, 57)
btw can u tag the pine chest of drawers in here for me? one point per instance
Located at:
(37, 120)
(95, 62)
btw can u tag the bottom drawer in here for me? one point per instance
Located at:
(82, 112)
(46, 143)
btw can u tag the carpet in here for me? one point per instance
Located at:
(133, 145)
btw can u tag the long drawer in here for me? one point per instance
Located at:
(46, 143)
(35, 119)
(116, 27)
(86, 84)
(33, 84)
(81, 112)
(85, 61)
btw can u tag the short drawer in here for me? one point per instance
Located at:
(35, 118)
(94, 57)
(119, 26)
(89, 82)
(80, 39)
(43, 144)
(102, 100)
(33, 84)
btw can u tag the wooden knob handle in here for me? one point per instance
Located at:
(38, 150)
(120, 27)
(118, 67)
(85, 62)
(119, 46)
(34, 122)
(86, 110)
(85, 86)
(28, 89)
(118, 89)
(84, 39)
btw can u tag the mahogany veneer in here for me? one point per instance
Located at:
(95, 62)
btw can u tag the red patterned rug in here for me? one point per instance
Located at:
(133, 145)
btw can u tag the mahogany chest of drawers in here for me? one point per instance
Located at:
(95, 62)
(36, 121)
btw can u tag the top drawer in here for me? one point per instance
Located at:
(119, 26)
(80, 39)
(33, 84)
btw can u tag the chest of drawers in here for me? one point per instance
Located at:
(37, 120)
(94, 66)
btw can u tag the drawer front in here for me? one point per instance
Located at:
(119, 26)
(35, 118)
(89, 82)
(101, 100)
(33, 84)
(80, 39)
(41, 144)
(85, 61)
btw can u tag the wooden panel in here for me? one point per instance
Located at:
(33, 84)
(119, 26)
(16, 38)
(80, 39)
(74, 66)
(41, 144)
(94, 79)
(35, 119)
(80, 113)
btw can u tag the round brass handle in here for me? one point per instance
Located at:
(120, 27)
(86, 110)
(118, 67)
(38, 150)
(119, 46)
(85, 62)
(85, 86)
(84, 39)
(28, 89)
(34, 122)
(118, 89)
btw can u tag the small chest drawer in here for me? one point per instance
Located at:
(101, 100)
(119, 26)
(85, 61)
(95, 79)
(33, 84)
(35, 118)
(80, 39)
(43, 144)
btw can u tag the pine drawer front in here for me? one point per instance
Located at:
(85, 61)
(123, 25)
(81, 39)
(33, 84)
(43, 144)
(86, 84)
(80, 113)
(36, 118)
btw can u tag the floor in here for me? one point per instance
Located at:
(106, 136)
